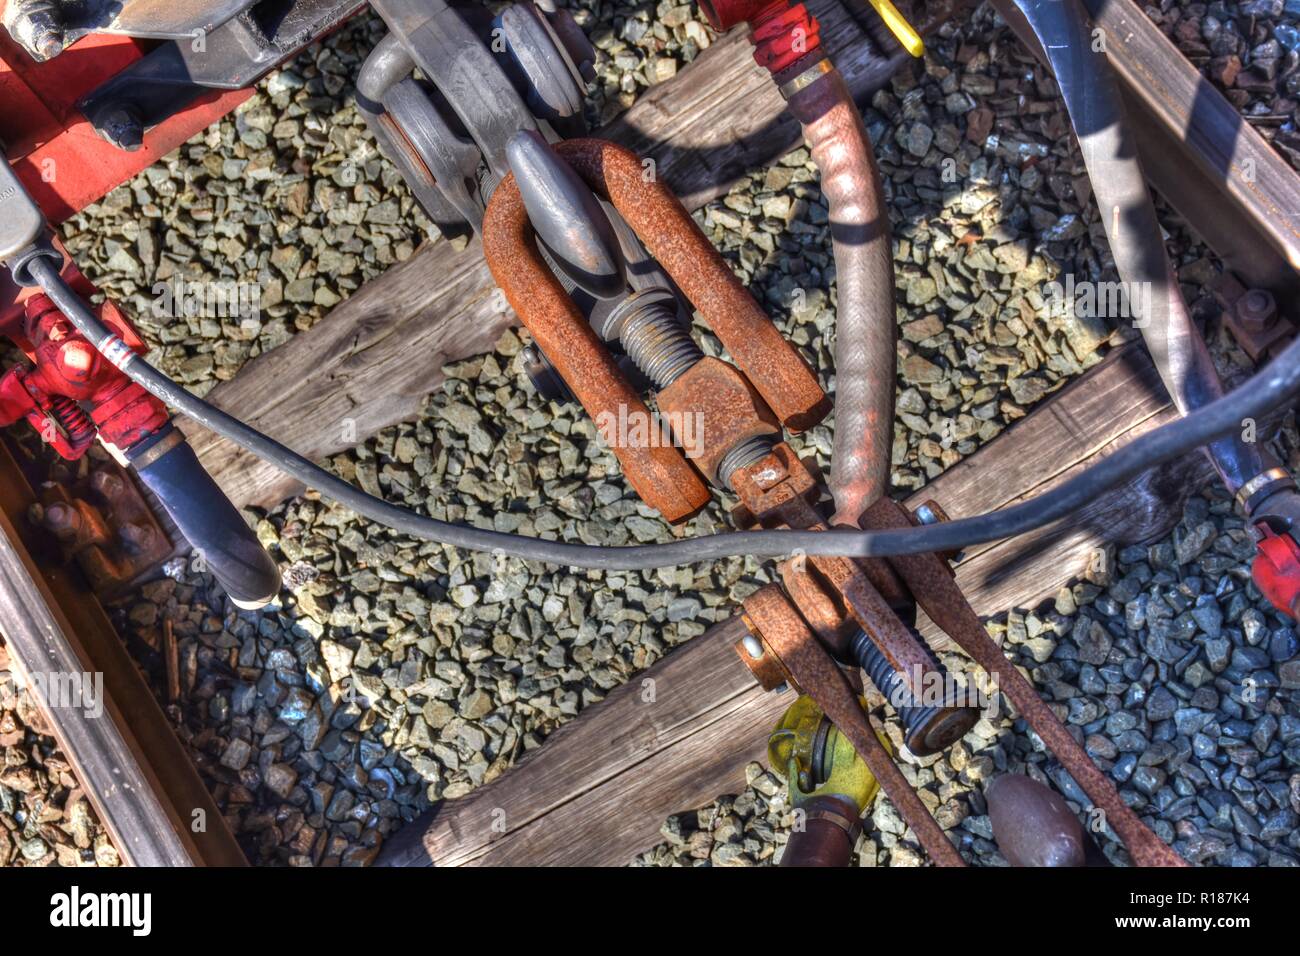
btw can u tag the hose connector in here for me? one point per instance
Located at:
(782, 33)
(829, 784)
(169, 468)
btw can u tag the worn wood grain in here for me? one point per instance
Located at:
(598, 789)
(371, 361)
(1112, 405)
(603, 779)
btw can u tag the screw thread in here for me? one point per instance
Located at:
(658, 343)
(743, 455)
(74, 421)
(915, 718)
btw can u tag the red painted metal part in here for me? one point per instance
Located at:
(57, 154)
(70, 392)
(1276, 570)
(782, 32)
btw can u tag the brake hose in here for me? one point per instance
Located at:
(1267, 389)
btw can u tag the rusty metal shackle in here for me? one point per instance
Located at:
(772, 365)
(657, 471)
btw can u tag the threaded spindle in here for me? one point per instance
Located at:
(74, 421)
(654, 338)
(659, 346)
(929, 728)
(743, 455)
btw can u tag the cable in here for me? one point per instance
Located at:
(1272, 386)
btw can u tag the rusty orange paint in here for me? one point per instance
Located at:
(930, 581)
(777, 370)
(813, 670)
(729, 409)
(657, 471)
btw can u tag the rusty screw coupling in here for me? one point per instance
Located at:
(927, 728)
(646, 323)
(661, 346)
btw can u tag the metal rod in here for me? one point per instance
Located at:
(936, 592)
(1092, 99)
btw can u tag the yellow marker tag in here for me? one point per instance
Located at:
(898, 26)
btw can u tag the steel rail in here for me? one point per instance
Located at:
(1238, 195)
(142, 783)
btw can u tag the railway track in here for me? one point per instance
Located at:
(149, 796)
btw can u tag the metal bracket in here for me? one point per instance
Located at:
(46, 27)
(481, 81)
(231, 56)
(104, 523)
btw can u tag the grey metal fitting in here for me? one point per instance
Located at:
(653, 335)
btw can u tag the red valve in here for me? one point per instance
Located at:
(1276, 569)
(783, 33)
(68, 374)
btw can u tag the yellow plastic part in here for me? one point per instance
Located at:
(790, 750)
(899, 27)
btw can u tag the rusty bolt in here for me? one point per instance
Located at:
(777, 369)
(766, 610)
(63, 520)
(1256, 310)
(38, 26)
(107, 484)
(136, 538)
(929, 512)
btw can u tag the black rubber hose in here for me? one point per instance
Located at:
(220, 536)
(1267, 389)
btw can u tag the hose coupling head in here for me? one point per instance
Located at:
(1276, 569)
(817, 761)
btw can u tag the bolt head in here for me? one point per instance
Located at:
(122, 127)
(106, 483)
(135, 538)
(1257, 310)
(62, 519)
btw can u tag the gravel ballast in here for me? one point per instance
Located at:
(45, 817)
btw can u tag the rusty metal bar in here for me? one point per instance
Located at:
(935, 589)
(776, 369)
(657, 471)
(809, 666)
